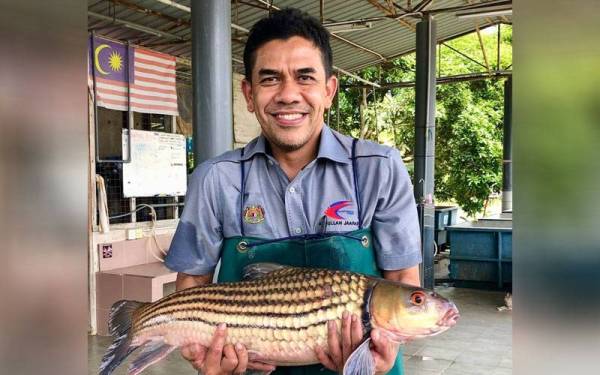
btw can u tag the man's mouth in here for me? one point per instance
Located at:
(289, 116)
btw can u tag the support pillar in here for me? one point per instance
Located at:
(507, 148)
(211, 76)
(425, 90)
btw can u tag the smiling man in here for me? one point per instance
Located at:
(300, 194)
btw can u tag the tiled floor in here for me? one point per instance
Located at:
(480, 344)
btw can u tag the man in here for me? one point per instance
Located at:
(300, 194)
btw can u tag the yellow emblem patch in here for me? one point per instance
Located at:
(254, 214)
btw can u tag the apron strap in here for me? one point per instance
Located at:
(307, 237)
(356, 190)
(242, 192)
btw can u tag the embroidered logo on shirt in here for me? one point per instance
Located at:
(254, 214)
(336, 210)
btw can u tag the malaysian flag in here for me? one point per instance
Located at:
(149, 75)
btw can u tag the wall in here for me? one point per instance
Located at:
(245, 125)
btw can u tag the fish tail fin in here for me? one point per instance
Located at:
(361, 361)
(119, 324)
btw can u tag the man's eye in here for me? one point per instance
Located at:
(268, 80)
(306, 78)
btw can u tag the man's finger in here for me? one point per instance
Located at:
(357, 331)
(333, 341)
(346, 336)
(229, 361)
(242, 357)
(215, 351)
(325, 359)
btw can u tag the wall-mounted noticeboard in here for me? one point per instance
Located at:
(158, 164)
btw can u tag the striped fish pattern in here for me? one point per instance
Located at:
(280, 315)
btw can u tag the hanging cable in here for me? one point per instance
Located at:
(153, 215)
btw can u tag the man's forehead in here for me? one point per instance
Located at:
(295, 53)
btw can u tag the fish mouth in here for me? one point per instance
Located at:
(450, 317)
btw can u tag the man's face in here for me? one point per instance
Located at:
(289, 92)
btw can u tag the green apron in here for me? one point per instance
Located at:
(348, 251)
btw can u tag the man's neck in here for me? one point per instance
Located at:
(292, 162)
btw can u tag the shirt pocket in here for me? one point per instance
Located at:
(255, 216)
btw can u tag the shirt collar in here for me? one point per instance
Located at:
(329, 147)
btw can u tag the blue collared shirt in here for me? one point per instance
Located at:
(321, 198)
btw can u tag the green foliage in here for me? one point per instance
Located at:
(469, 117)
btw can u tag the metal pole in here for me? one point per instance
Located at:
(211, 77)
(507, 145)
(425, 89)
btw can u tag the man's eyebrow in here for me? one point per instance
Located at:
(306, 70)
(268, 72)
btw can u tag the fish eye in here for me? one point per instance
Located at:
(417, 298)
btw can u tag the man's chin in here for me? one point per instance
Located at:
(288, 146)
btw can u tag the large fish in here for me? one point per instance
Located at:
(279, 313)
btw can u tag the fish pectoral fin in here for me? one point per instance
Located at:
(257, 357)
(152, 352)
(361, 361)
(257, 270)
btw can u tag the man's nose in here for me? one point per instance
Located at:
(289, 92)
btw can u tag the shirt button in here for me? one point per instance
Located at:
(298, 230)
(270, 162)
(292, 190)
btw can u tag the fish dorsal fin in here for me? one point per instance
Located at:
(361, 361)
(256, 271)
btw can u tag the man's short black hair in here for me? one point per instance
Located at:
(284, 24)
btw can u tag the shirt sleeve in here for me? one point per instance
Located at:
(196, 245)
(395, 225)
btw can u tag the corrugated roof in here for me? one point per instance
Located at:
(386, 39)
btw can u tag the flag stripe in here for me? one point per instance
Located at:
(141, 67)
(160, 57)
(159, 77)
(170, 90)
(145, 84)
(151, 62)
(123, 91)
(137, 96)
(122, 105)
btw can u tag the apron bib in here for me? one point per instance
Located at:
(347, 251)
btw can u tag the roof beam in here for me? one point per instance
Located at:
(495, 74)
(135, 26)
(392, 57)
(392, 13)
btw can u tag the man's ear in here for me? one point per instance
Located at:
(330, 89)
(247, 91)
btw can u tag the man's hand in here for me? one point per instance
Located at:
(338, 352)
(221, 358)
(384, 351)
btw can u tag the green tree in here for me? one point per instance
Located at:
(468, 117)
